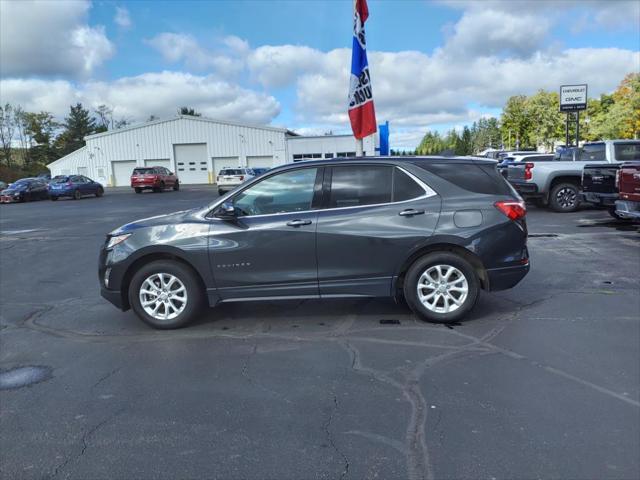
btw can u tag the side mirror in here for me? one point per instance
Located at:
(226, 211)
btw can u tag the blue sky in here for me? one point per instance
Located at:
(435, 65)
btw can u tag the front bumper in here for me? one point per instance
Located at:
(113, 293)
(9, 199)
(628, 209)
(113, 296)
(602, 199)
(506, 277)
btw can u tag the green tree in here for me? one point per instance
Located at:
(188, 111)
(41, 128)
(7, 130)
(515, 122)
(546, 122)
(77, 125)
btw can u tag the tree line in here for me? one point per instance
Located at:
(30, 140)
(535, 122)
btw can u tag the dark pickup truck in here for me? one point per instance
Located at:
(599, 186)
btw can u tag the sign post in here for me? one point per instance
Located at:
(573, 98)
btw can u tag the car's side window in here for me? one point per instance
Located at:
(355, 185)
(290, 191)
(405, 187)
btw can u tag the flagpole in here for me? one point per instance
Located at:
(359, 147)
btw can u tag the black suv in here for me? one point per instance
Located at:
(433, 230)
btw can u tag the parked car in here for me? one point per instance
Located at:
(433, 230)
(628, 206)
(230, 178)
(558, 183)
(45, 177)
(153, 178)
(522, 157)
(260, 171)
(73, 186)
(25, 190)
(599, 186)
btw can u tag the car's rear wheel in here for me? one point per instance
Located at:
(76, 195)
(176, 186)
(53, 199)
(220, 192)
(564, 197)
(137, 190)
(165, 294)
(99, 192)
(441, 287)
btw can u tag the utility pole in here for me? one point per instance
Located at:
(359, 147)
(566, 143)
(578, 128)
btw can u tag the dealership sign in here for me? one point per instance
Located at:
(573, 98)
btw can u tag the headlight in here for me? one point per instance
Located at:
(116, 239)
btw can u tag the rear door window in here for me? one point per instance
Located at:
(405, 187)
(359, 185)
(593, 152)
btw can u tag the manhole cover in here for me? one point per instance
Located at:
(23, 376)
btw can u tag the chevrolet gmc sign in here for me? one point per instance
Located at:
(573, 98)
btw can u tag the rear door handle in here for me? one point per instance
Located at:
(410, 212)
(298, 223)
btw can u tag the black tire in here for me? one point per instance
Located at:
(99, 192)
(138, 190)
(176, 186)
(162, 187)
(220, 192)
(564, 198)
(195, 295)
(76, 195)
(421, 266)
(53, 199)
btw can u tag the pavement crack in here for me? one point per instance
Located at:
(327, 431)
(106, 376)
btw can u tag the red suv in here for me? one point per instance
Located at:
(153, 178)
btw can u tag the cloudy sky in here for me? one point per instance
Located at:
(434, 65)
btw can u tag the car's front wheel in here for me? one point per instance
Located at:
(176, 186)
(76, 195)
(99, 192)
(441, 287)
(166, 294)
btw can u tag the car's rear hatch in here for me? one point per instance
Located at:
(515, 172)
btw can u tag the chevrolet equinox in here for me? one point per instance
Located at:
(431, 230)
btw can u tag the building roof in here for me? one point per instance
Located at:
(75, 152)
(187, 117)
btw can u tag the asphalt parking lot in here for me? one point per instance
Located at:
(541, 381)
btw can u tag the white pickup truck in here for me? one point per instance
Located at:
(558, 183)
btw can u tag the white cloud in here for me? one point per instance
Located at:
(152, 93)
(184, 48)
(50, 38)
(123, 18)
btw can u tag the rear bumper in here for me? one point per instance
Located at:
(603, 199)
(628, 209)
(506, 277)
(227, 188)
(526, 190)
(61, 193)
(144, 184)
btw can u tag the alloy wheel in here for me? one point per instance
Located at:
(163, 296)
(566, 197)
(442, 288)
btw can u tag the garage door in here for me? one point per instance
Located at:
(191, 163)
(122, 172)
(260, 162)
(162, 162)
(224, 162)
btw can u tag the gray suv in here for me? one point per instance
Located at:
(431, 230)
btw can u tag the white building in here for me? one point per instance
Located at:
(196, 149)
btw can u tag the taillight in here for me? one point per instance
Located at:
(513, 209)
(241, 177)
(527, 170)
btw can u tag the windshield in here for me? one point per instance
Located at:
(627, 151)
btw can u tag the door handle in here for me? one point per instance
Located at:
(411, 212)
(298, 223)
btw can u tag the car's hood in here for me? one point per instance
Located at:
(11, 191)
(183, 216)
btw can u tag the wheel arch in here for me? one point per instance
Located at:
(442, 245)
(147, 258)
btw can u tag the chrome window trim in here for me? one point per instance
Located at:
(428, 193)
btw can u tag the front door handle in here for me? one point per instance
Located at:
(298, 223)
(410, 212)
